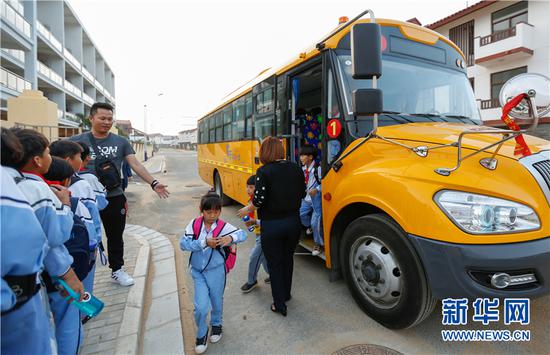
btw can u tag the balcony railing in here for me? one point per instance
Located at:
(17, 6)
(87, 99)
(73, 89)
(99, 86)
(491, 103)
(72, 59)
(87, 74)
(72, 117)
(15, 53)
(14, 17)
(497, 36)
(50, 73)
(13, 81)
(49, 36)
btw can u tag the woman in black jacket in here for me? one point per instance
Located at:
(280, 187)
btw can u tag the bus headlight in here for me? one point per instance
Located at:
(480, 214)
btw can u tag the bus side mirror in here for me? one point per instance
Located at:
(367, 102)
(366, 52)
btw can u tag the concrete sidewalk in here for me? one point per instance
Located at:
(143, 318)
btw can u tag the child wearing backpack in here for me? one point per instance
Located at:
(311, 209)
(211, 243)
(68, 327)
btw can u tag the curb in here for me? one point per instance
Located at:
(163, 318)
(132, 317)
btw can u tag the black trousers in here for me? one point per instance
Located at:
(114, 222)
(279, 240)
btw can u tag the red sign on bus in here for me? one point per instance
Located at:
(334, 128)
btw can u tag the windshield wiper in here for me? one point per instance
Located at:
(424, 114)
(457, 116)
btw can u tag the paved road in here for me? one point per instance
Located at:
(322, 315)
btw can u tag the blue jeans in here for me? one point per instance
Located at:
(256, 258)
(209, 287)
(311, 213)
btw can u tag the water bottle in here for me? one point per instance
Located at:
(251, 228)
(90, 305)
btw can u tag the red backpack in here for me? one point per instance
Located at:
(230, 252)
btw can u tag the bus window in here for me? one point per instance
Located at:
(264, 101)
(227, 118)
(219, 126)
(212, 129)
(334, 143)
(238, 119)
(248, 115)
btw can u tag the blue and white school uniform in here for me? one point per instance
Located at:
(55, 218)
(311, 209)
(97, 187)
(67, 319)
(23, 245)
(83, 190)
(208, 271)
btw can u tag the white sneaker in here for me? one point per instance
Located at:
(201, 344)
(216, 334)
(316, 251)
(122, 278)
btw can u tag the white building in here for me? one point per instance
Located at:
(500, 39)
(188, 139)
(45, 47)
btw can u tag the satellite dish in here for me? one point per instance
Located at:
(537, 86)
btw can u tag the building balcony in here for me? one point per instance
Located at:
(14, 55)
(50, 74)
(73, 89)
(13, 82)
(49, 37)
(507, 45)
(87, 75)
(13, 17)
(87, 99)
(72, 59)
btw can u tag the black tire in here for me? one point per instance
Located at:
(407, 299)
(218, 188)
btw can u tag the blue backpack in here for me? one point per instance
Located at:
(78, 245)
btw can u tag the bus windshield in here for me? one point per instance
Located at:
(415, 91)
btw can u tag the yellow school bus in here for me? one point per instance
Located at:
(420, 202)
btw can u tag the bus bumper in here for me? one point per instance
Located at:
(465, 270)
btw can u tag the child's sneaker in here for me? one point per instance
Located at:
(267, 280)
(316, 250)
(216, 333)
(122, 278)
(201, 344)
(246, 288)
(309, 232)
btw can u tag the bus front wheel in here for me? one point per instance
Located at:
(226, 200)
(384, 274)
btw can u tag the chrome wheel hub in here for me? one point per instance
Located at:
(375, 272)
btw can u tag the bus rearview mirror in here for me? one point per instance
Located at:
(366, 52)
(367, 102)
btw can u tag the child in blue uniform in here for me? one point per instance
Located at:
(256, 255)
(24, 322)
(79, 187)
(68, 327)
(311, 210)
(208, 270)
(99, 189)
(53, 213)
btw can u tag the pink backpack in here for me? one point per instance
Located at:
(230, 252)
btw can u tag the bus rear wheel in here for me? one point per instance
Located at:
(218, 188)
(384, 274)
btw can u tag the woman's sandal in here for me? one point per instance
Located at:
(275, 310)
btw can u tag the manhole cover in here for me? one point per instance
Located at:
(370, 349)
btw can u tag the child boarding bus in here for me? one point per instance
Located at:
(420, 202)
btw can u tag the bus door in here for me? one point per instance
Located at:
(306, 102)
